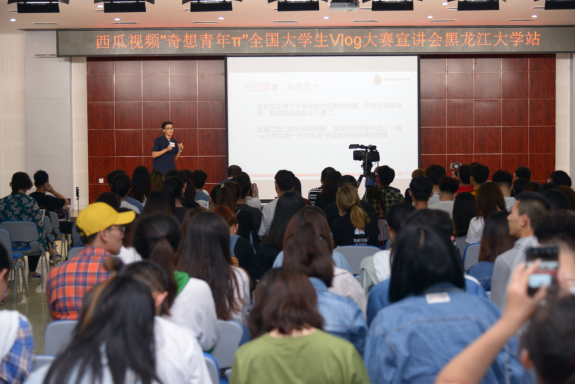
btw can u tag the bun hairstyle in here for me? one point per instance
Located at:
(347, 200)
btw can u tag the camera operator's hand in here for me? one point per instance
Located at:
(255, 190)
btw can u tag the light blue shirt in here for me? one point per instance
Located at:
(135, 202)
(339, 260)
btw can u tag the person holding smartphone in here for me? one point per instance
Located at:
(166, 150)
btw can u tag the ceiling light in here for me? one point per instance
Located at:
(220, 18)
(430, 17)
(534, 16)
(100, 5)
(445, 3)
(326, 17)
(38, 6)
(12, 20)
(561, 4)
(483, 5)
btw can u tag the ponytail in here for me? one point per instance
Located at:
(358, 217)
(347, 200)
(163, 255)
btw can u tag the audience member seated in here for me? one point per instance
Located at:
(463, 212)
(432, 318)
(18, 206)
(478, 175)
(308, 253)
(355, 226)
(439, 220)
(328, 191)
(17, 344)
(233, 171)
(189, 302)
(448, 187)
(546, 187)
(128, 253)
(105, 197)
(141, 184)
(420, 190)
(121, 186)
(226, 194)
(489, 200)
(287, 206)
(464, 179)
(297, 187)
(560, 178)
(389, 195)
(523, 173)
(245, 184)
(130, 200)
(495, 241)
(206, 255)
(570, 195)
(504, 181)
(531, 186)
(174, 189)
(101, 229)
(190, 195)
(332, 211)
(518, 185)
(312, 195)
(292, 344)
(557, 200)
(240, 248)
(435, 172)
(527, 210)
(45, 201)
(284, 181)
(378, 266)
(199, 178)
(157, 179)
(157, 201)
(414, 174)
(112, 341)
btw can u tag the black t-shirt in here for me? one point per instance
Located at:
(180, 212)
(345, 233)
(332, 211)
(256, 213)
(246, 224)
(265, 257)
(244, 252)
(190, 204)
(47, 202)
(166, 162)
(323, 202)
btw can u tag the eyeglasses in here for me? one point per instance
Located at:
(121, 228)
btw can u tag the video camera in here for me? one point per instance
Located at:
(368, 154)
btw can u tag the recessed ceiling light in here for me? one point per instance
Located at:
(534, 16)
(445, 3)
(221, 18)
(12, 20)
(117, 19)
(100, 5)
(430, 17)
(326, 17)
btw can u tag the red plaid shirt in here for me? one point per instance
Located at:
(68, 284)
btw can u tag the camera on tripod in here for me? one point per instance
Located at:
(368, 154)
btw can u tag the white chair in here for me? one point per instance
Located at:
(74, 251)
(355, 254)
(17, 262)
(25, 232)
(230, 336)
(471, 255)
(58, 335)
(461, 244)
(42, 360)
(56, 231)
(213, 368)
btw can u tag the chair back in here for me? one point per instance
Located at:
(58, 335)
(21, 231)
(42, 360)
(74, 251)
(213, 368)
(355, 254)
(230, 336)
(6, 243)
(48, 228)
(55, 221)
(471, 255)
(461, 244)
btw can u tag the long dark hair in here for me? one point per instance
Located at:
(173, 188)
(422, 258)
(224, 195)
(463, 212)
(489, 200)
(206, 255)
(495, 238)
(117, 319)
(157, 238)
(157, 202)
(141, 184)
(329, 188)
(288, 204)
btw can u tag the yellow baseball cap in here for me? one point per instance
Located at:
(99, 216)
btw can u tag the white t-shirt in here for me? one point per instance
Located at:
(475, 230)
(509, 201)
(382, 265)
(446, 206)
(129, 255)
(267, 216)
(433, 199)
(254, 202)
(179, 357)
(344, 284)
(125, 204)
(242, 297)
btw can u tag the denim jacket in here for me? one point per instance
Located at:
(339, 260)
(342, 316)
(412, 340)
(483, 272)
(379, 296)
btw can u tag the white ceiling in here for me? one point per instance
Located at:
(258, 13)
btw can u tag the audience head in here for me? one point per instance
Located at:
(206, 255)
(244, 182)
(324, 173)
(503, 179)
(422, 257)
(111, 176)
(386, 175)
(518, 185)
(297, 185)
(228, 216)
(560, 178)
(523, 173)
(553, 225)
(110, 199)
(347, 200)
(234, 188)
(330, 184)
(396, 216)
(188, 217)
(314, 216)
(287, 206)
(174, 189)
(420, 188)
(233, 171)
(116, 325)
(489, 199)
(20, 181)
(121, 185)
(199, 178)
(479, 174)
(495, 238)
(347, 180)
(570, 195)
(40, 178)
(285, 180)
(100, 225)
(531, 186)
(465, 174)
(557, 200)
(418, 172)
(157, 201)
(190, 191)
(157, 238)
(435, 218)
(188, 173)
(153, 276)
(223, 194)
(157, 179)
(172, 172)
(141, 183)
(463, 211)
(284, 301)
(435, 172)
(546, 187)
(527, 210)
(448, 185)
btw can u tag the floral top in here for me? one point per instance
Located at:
(21, 207)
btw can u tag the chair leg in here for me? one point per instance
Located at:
(15, 286)
(23, 271)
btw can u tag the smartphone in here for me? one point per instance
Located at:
(455, 167)
(547, 269)
(253, 187)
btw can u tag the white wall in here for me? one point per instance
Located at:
(12, 109)
(564, 113)
(80, 128)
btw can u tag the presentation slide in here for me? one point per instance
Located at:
(302, 113)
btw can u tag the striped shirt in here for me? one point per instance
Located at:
(68, 284)
(18, 363)
(312, 195)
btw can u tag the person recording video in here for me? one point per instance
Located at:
(166, 150)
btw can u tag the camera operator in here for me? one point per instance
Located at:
(390, 196)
